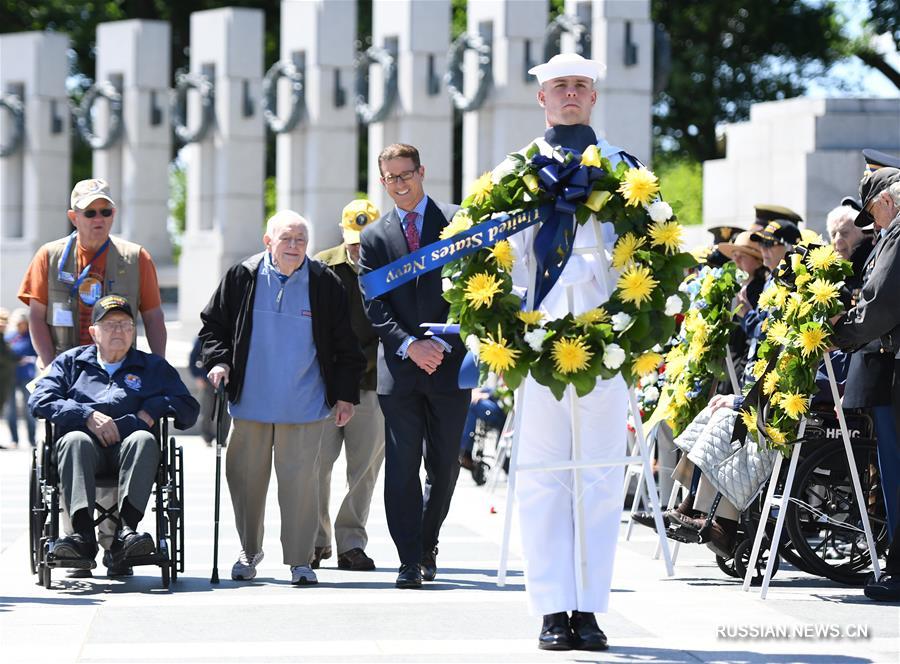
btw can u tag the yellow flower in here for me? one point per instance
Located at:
(597, 200)
(802, 279)
(591, 157)
(766, 298)
(571, 355)
(592, 316)
(778, 332)
(530, 317)
(676, 361)
(780, 296)
(822, 258)
(811, 340)
(496, 353)
(636, 284)
(693, 322)
(697, 349)
(623, 252)
(666, 234)
(530, 180)
(679, 394)
(796, 261)
(502, 253)
(793, 404)
(749, 418)
(770, 384)
(822, 291)
(646, 363)
(776, 436)
(638, 186)
(706, 287)
(759, 368)
(481, 188)
(481, 289)
(461, 222)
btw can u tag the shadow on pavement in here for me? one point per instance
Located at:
(9, 603)
(662, 656)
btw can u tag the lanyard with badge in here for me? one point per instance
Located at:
(88, 290)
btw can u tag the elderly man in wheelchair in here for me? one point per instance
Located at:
(104, 401)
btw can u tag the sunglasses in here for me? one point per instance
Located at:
(90, 214)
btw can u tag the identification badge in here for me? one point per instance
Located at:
(133, 381)
(62, 317)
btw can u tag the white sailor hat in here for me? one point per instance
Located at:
(567, 64)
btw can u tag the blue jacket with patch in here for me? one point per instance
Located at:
(77, 385)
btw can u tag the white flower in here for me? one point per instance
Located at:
(651, 393)
(657, 348)
(741, 275)
(673, 305)
(535, 338)
(650, 379)
(446, 284)
(621, 321)
(660, 211)
(473, 344)
(613, 356)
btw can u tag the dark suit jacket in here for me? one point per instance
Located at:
(397, 314)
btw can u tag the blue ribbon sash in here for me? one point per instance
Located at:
(435, 255)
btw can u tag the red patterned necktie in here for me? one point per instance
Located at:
(410, 231)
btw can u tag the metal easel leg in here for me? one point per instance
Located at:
(763, 518)
(640, 492)
(854, 474)
(511, 487)
(673, 496)
(651, 484)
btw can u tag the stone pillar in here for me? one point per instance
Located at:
(801, 153)
(34, 180)
(419, 32)
(510, 117)
(134, 57)
(317, 161)
(225, 170)
(622, 39)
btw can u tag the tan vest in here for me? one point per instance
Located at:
(122, 277)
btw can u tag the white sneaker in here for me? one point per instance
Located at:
(245, 567)
(303, 575)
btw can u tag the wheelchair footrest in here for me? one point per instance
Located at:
(70, 563)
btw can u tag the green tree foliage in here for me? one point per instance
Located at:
(729, 54)
(682, 187)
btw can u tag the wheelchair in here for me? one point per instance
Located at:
(167, 504)
(823, 534)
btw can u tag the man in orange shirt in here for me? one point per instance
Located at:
(67, 276)
(65, 279)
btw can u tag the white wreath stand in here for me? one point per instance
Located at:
(782, 500)
(576, 463)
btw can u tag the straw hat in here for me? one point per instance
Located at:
(743, 243)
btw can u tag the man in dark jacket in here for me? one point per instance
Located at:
(875, 320)
(277, 334)
(363, 438)
(103, 400)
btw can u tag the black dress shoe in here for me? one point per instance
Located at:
(116, 569)
(75, 547)
(320, 553)
(410, 577)
(355, 560)
(588, 635)
(429, 564)
(129, 544)
(885, 589)
(556, 633)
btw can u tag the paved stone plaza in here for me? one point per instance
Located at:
(361, 617)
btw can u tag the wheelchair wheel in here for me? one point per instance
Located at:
(44, 575)
(34, 510)
(165, 575)
(742, 560)
(823, 517)
(727, 566)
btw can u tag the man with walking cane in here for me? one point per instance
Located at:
(277, 334)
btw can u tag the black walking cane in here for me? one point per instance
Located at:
(219, 414)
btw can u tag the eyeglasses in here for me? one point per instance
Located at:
(405, 176)
(90, 214)
(117, 326)
(292, 241)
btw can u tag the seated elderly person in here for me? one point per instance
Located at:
(104, 400)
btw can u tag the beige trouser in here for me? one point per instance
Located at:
(248, 467)
(363, 443)
(706, 492)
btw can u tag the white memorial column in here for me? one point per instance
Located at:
(34, 176)
(317, 159)
(510, 117)
(134, 57)
(225, 170)
(622, 38)
(419, 33)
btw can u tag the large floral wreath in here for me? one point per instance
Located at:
(624, 335)
(699, 356)
(807, 294)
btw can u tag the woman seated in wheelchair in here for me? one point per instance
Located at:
(104, 401)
